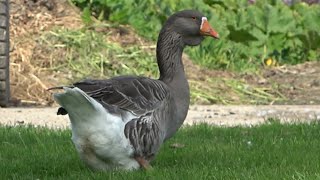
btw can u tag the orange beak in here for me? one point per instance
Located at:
(207, 30)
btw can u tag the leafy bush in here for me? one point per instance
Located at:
(290, 34)
(250, 32)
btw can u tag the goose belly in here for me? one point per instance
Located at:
(101, 143)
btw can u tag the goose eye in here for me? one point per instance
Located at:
(194, 18)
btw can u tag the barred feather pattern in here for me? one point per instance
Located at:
(145, 136)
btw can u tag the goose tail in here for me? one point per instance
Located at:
(78, 104)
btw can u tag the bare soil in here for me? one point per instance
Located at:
(30, 77)
(300, 84)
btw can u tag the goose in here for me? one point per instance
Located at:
(121, 122)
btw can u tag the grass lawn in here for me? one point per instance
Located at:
(271, 151)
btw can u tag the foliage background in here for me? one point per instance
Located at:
(250, 31)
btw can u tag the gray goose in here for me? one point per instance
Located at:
(121, 122)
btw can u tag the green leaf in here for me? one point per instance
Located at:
(240, 36)
(86, 15)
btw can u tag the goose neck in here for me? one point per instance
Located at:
(169, 54)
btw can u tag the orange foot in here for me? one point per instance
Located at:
(144, 163)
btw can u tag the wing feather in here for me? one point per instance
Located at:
(144, 135)
(138, 95)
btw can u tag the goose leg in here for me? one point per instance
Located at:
(143, 163)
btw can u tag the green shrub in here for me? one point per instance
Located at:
(249, 32)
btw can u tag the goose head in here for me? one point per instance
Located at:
(191, 25)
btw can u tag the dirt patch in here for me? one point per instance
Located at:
(298, 84)
(29, 78)
(31, 60)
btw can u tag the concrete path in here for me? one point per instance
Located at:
(215, 114)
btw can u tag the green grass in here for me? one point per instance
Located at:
(271, 151)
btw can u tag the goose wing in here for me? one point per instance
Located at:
(138, 95)
(141, 96)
